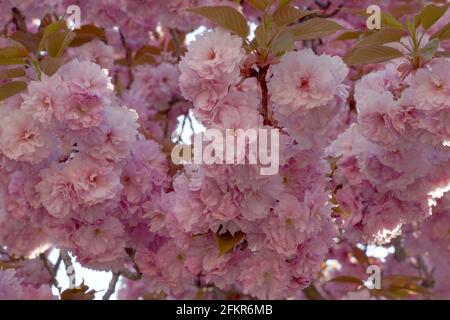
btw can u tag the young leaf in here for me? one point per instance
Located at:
(430, 15)
(371, 54)
(289, 14)
(226, 241)
(443, 33)
(428, 51)
(314, 28)
(12, 73)
(385, 35)
(11, 88)
(225, 17)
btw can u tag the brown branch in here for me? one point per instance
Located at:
(111, 286)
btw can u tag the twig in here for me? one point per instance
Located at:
(137, 274)
(111, 286)
(176, 43)
(70, 271)
(266, 112)
(128, 58)
(50, 270)
(19, 20)
(182, 128)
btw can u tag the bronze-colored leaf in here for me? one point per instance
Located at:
(226, 241)
(12, 73)
(289, 14)
(385, 35)
(226, 17)
(349, 35)
(13, 55)
(50, 65)
(429, 15)
(87, 33)
(261, 5)
(57, 42)
(314, 28)
(81, 293)
(11, 88)
(371, 54)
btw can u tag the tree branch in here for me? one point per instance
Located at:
(51, 271)
(111, 286)
(70, 270)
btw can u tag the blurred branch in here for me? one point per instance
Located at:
(70, 270)
(111, 286)
(52, 271)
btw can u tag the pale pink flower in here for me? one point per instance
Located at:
(215, 55)
(43, 98)
(57, 191)
(102, 241)
(265, 275)
(23, 139)
(94, 51)
(303, 80)
(114, 137)
(95, 182)
(288, 227)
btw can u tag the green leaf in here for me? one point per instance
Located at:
(430, 15)
(289, 14)
(12, 55)
(226, 241)
(314, 28)
(284, 42)
(443, 33)
(225, 17)
(347, 279)
(12, 73)
(428, 51)
(385, 35)
(11, 88)
(371, 54)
